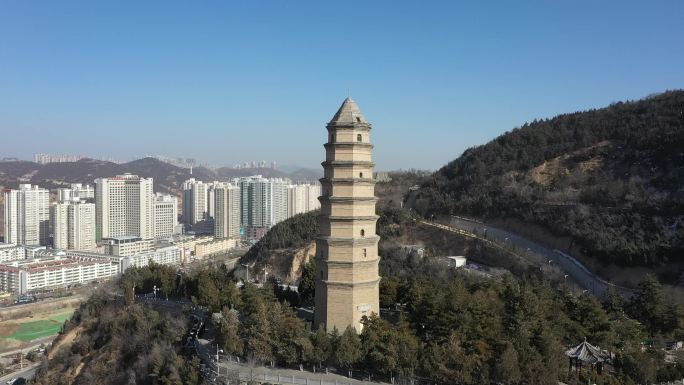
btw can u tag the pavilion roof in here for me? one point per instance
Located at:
(587, 352)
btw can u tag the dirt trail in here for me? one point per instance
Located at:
(64, 341)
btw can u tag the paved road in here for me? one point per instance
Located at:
(27, 373)
(567, 263)
(35, 344)
(287, 376)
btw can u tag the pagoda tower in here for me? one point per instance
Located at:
(347, 280)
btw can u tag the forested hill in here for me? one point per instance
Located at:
(611, 178)
(292, 233)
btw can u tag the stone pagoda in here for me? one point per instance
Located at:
(347, 280)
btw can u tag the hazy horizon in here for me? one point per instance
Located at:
(226, 83)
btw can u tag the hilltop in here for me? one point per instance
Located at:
(607, 181)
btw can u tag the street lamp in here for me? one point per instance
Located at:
(246, 266)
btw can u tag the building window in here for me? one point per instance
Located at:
(359, 138)
(361, 175)
(363, 232)
(358, 119)
(364, 253)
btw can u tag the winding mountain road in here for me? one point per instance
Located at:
(570, 265)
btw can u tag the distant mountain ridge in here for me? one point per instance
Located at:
(167, 177)
(612, 179)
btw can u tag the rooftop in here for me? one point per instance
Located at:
(124, 239)
(349, 113)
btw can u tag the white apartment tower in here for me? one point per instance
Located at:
(76, 191)
(73, 218)
(302, 198)
(27, 215)
(226, 211)
(263, 201)
(73, 225)
(60, 225)
(165, 215)
(81, 219)
(211, 199)
(125, 206)
(195, 197)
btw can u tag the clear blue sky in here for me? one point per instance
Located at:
(231, 81)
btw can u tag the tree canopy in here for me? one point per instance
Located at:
(610, 178)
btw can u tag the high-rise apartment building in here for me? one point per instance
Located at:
(124, 206)
(76, 191)
(195, 197)
(263, 203)
(27, 215)
(347, 279)
(81, 220)
(73, 218)
(211, 199)
(302, 198)
(226, 210)
(165, 215)
(59, 217)
(73, 225)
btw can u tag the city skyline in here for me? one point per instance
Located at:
(250, 80)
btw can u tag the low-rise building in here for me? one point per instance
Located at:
(215, 246)
(200, 247)
(32, 274)
(457, 261)
(169, 255)
(10, 252)
(26, 269)
(128, 245)
(163, 255)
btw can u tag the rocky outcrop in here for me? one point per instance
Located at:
(300, 258)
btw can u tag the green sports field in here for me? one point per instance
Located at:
(31, 330)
